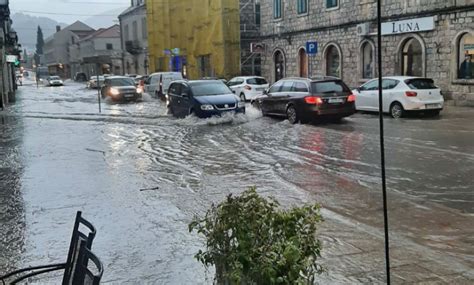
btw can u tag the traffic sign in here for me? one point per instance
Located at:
(311, 48)
(11, 58)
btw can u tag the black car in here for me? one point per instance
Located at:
(204, 98)
(304, 100)
(121, 88)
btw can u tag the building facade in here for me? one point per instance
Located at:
(432, 38)
(197, 38)
(56, 48)
(249, 33)
(134, 35)
(98, 53)
(8, 46)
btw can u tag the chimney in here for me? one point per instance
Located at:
(58, 28)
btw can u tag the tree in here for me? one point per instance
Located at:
(39, 45)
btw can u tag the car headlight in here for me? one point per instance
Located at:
(114, 91)
(139, 90)
(207, 107)
(241, 104)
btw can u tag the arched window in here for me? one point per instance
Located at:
(412, 58)
(333, 61)
(367, 60)
(279, 60)
(303, 63)
(466, 56)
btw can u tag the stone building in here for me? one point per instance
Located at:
(56, 48)
(432, 38)
(101, 47)
(134, 38)
(8, 47)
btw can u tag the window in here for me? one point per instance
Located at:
(126, 33)
(421, 83)
(257, 14)
(466, 57)
(370, 86)
(209, 88)
(109, 46)
(235, 81)
(302, 6)
(276, 87)
(329, 87)
(287, 85)
(300, 87)
(388, 84)
(257, 81)
(277, 9)
(144, 30)
(204, 65)
(135, 30)
(331, 4)
(367, 61)
(303, 63)
(412, 58)
(333, 62)
(175, 89)
(279, 60)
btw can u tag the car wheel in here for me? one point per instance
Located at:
(291, 114)
(242, 97)
(396, 110)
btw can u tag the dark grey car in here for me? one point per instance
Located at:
(121, 88)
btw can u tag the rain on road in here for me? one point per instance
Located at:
(140, 176)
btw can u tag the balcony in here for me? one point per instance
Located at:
(133, 47)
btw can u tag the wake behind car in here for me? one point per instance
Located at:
(121, 88)
(53, 81)
(203, 98)
(401, 94)
(304, 99)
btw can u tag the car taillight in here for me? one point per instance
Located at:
(351, 98)
(313, 100)
(411, 94)
(247, 87)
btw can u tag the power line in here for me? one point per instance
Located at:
(63, 14)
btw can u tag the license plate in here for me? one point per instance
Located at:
(335, 100)
(129, 95)
(433, 106)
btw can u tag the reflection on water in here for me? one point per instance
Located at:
(12, 222)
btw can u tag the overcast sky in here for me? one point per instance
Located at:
(57, 9)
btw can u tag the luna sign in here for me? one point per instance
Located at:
(408, 26)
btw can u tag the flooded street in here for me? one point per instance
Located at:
(140, 176)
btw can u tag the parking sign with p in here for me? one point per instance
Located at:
(311, 48)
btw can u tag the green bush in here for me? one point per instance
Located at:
(250, 240)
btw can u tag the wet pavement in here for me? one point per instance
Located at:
(140, 176)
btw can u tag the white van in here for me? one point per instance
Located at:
(152, 84)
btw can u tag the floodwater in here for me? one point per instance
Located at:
(140, 176)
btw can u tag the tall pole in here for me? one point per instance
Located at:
(98, 87)
(382, 142)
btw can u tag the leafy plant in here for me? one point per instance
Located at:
(250, 240)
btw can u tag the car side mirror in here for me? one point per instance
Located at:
(265, 92)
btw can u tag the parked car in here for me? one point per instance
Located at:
(204, 98)
(304, 99)
(121, 88)
(157, 84)
(92, 83)
(80, 77)
(248, 87)
(53, 81)
(401, 94)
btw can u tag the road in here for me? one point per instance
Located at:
(140, 176)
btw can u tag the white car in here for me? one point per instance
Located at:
(92, 83)
(152, 84)
(248, 87)
(401, 94)
(53, 81)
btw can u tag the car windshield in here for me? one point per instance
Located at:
(209, 88)
(323, 87)
(257, 81)
(421, 83)
(122, 82)
(54, 78)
